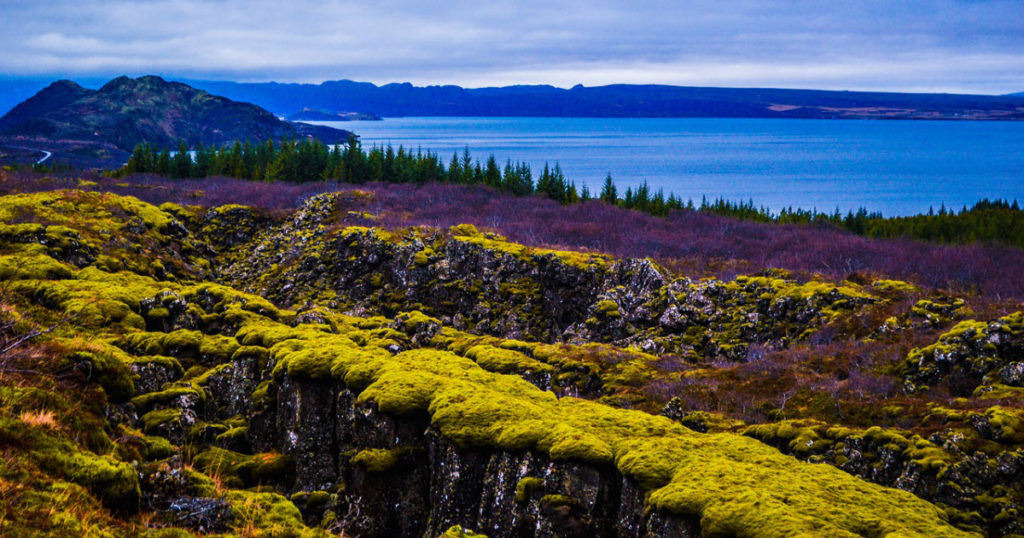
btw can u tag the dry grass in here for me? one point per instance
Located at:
(249, 528)
(39, 419)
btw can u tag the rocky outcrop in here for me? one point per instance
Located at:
(479, 282)
(415, 482)
(974, 356)
(951, 468)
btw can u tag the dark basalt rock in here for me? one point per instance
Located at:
(476, 282)
(436, 483)
(174, 493)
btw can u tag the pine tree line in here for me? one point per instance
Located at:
(311, 160)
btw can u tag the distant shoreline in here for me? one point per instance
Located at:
(865, 119)
(616, 101)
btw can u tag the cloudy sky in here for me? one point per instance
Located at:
(905, 45)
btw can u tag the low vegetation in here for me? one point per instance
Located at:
(169, 365)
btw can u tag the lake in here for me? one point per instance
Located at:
(897, 167)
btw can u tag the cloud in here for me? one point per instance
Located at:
(951, 45)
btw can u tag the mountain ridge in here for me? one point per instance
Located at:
(126, 112)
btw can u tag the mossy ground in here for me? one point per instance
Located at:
(121, 285)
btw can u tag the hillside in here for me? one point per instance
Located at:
(314, 371)
(126, 112)
(621, 100)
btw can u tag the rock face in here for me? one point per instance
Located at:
(378, 441)
(481, 283)
(429, 483)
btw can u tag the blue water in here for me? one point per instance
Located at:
(897, 167)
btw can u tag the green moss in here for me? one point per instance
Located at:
(558, 500)
(194, 372)
(238, 432)
(1007, 424)
(115, 483)
(422, 257)
(505, 360)
(259, 394)
(526, 486)
(579, 260)
(32, 263)
(733, 484)
(107, 367)
(969, 348)
(998, 391)
(810, 437)
(255, 353)
(155, 448)
(894, 286)
(216, 298)
(377, 460)
(458, 531)
(93, 304)
(412, 321)
(465, 230)
(163, 361)
(311, 498)
(48, 506)
(267, 515)
(328, 359)
(518, 345)
(159, 313)
(146, 402)
(183, 344)
(132, 445)
(217, 349)
(172, 208)
(243, 470)
(153, 420)
(607, 308)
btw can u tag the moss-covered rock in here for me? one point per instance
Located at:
(970, 354)
(242, 470)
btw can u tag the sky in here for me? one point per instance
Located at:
(963, 46)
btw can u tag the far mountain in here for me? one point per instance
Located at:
(620, 100)
(125, 112)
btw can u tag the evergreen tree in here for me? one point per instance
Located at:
(492, 175)
(454, 170)
(182, 165)
(608, 193)
(466, 167)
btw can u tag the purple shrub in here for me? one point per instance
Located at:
(990, 270)
(697, 244)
